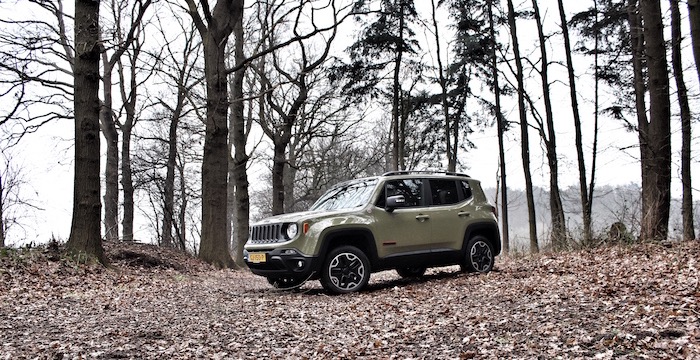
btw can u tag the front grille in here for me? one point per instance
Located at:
(266, 234)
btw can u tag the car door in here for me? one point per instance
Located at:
(449, 212)
(406, 229)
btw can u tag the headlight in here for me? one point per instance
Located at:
(292, 230)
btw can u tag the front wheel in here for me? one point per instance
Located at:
(345, 270)
(479, 256)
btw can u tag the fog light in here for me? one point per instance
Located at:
(300, 264)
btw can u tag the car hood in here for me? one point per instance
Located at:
(304, 216)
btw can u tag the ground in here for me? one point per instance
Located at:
(621, 302)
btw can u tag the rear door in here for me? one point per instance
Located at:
(451, 206)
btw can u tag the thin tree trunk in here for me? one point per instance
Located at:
(556, 208)
(583, 188)
(694, 17)
(588, 208)
(2, 214)
(525, 143)
(501, 130)
(240, 158)
(637, 43)
(109, 130)
(127, 128)
(687, 202)
(451, 158)
(396, 100)
(85, 224)
(658, 167)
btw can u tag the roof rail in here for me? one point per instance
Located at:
(409, 172)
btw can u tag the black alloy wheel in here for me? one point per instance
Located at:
(346, 269)
(479, 255)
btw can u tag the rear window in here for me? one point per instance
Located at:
(444, 192)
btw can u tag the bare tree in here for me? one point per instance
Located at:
(525, 143)
(85, 227)
(656, 166)
(120, 43)
(586, 198)
(677, 63)
(556, 208)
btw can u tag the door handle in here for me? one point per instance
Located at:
(463, 213)
(422, 217)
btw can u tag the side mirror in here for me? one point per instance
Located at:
(393, 202)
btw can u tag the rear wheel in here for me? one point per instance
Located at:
(411, 272)
(479, 256)
(345, 270)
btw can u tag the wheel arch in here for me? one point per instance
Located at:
(360, 238)
(488, 230)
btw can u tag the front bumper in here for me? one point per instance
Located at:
(283, 263)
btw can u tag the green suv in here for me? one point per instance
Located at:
(403, 220)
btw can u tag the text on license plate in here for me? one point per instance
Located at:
(257, 257)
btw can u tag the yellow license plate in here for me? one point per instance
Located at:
(257, 257)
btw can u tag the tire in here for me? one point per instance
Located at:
(411, 272)
(345, 270)
(285, 283)
(479, 256)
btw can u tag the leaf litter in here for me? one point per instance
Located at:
(616, 302)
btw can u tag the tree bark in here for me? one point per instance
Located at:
(556, 208)
(694, 17)
(451, 158)
(396, 96)
(214, 247)
(583, 183)
(525, 143)
(84, 239)
(658, 164)
(109, 131)
(501, 125)
(240, 157)
(686, 117)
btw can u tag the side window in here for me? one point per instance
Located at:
(444, 192)
(411, 189)
(466, 190)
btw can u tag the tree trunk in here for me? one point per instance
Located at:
(85, 237)
(658, 165)
(451, 158)
(169, 186)
(2, 213)
(127, 181)
(588, 209)
(637, 44)
(396, 97)
(278, 161)
(109, 130)
(583, 187)
(240, 158)
(558, 236)
(525, 143)
(501, 124)
(686, 117)
(214, 244)
(694, 17)
(127, 128)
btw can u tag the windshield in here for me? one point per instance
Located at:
(346, 196)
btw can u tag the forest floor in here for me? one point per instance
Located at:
(621, 302)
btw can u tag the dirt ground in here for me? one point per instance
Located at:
(622, 302)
